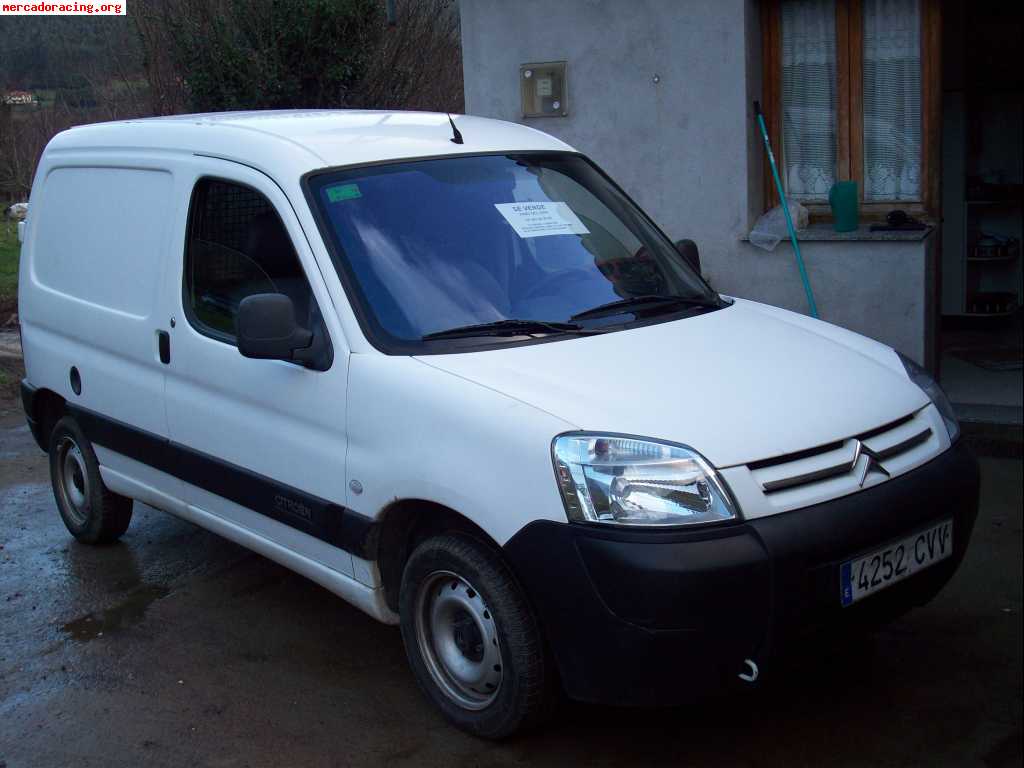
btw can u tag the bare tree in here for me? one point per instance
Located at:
(83, 71)
(415, 64)
(167, 94)
(419, 62)
(23, 134)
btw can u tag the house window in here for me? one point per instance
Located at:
(892, 100)
(847, 84)
(809, 99)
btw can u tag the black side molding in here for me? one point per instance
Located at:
(317, 517)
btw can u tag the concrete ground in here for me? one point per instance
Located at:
(175, 647)
(967, 383)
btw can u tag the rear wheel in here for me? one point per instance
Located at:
(471, 638)
(92, 513)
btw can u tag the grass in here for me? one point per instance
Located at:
(10, 249)
(11, 369)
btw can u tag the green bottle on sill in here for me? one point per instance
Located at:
(844, 200)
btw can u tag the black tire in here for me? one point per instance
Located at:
(453, 567)
(92, 513)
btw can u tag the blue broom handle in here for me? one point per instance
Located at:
(785, 209)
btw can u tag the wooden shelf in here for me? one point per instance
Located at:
(1005, 313)
(991, 259)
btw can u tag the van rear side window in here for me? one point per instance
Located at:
(101, 235)
(237, 247)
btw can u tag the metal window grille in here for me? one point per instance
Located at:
(225, 217)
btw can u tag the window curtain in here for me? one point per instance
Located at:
(892, 100)
(809, 97)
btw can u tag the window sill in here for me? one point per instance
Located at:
(821, 232)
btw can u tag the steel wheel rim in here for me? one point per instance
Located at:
(458, 640)
(73, 480)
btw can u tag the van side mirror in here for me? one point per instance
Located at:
(688, 250)
(267, 329)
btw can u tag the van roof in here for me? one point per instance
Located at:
(290, 143)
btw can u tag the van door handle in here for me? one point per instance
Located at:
(164, 344)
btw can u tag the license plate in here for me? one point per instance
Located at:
(882, 568)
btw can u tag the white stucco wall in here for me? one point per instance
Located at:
(686, 148)
(879, 289)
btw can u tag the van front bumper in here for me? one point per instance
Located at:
(649, 617)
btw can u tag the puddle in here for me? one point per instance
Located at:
(129, 611)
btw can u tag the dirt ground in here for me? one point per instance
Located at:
(175, 647)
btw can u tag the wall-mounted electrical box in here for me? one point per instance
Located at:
(544, 89)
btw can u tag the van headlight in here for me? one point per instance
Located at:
(931, 387)
(632, 481)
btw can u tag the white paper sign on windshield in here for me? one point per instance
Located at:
(540, 219)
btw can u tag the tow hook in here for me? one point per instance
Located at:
(751, 673)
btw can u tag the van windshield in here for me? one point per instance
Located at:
(516, 244)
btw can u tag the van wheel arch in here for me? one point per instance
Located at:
(403, 525)
(48, 409)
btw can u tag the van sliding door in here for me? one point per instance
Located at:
(99, 241)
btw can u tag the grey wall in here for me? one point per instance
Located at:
(883, 290)
(683, 148)
(686, 148)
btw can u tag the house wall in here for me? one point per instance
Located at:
(686, 147)
(882, 289)
(681, 147)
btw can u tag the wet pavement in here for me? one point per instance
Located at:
(175, 647)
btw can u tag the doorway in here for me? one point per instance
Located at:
(982, 210)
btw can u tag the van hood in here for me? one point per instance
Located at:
(741, 384)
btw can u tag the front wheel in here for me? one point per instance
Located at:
(472, 639)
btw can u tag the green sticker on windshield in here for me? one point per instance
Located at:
(340, 192)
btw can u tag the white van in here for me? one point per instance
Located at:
(447, 369)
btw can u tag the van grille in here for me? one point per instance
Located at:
(855, 457)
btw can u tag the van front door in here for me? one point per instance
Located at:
(259, 443)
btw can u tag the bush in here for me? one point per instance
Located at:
(235, 54)
(211, 55)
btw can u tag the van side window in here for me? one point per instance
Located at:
(237, 246)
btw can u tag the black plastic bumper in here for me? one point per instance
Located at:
(28, 402)
(645, 617)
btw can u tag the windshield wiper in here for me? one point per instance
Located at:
(509, 327)
(647, 302)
